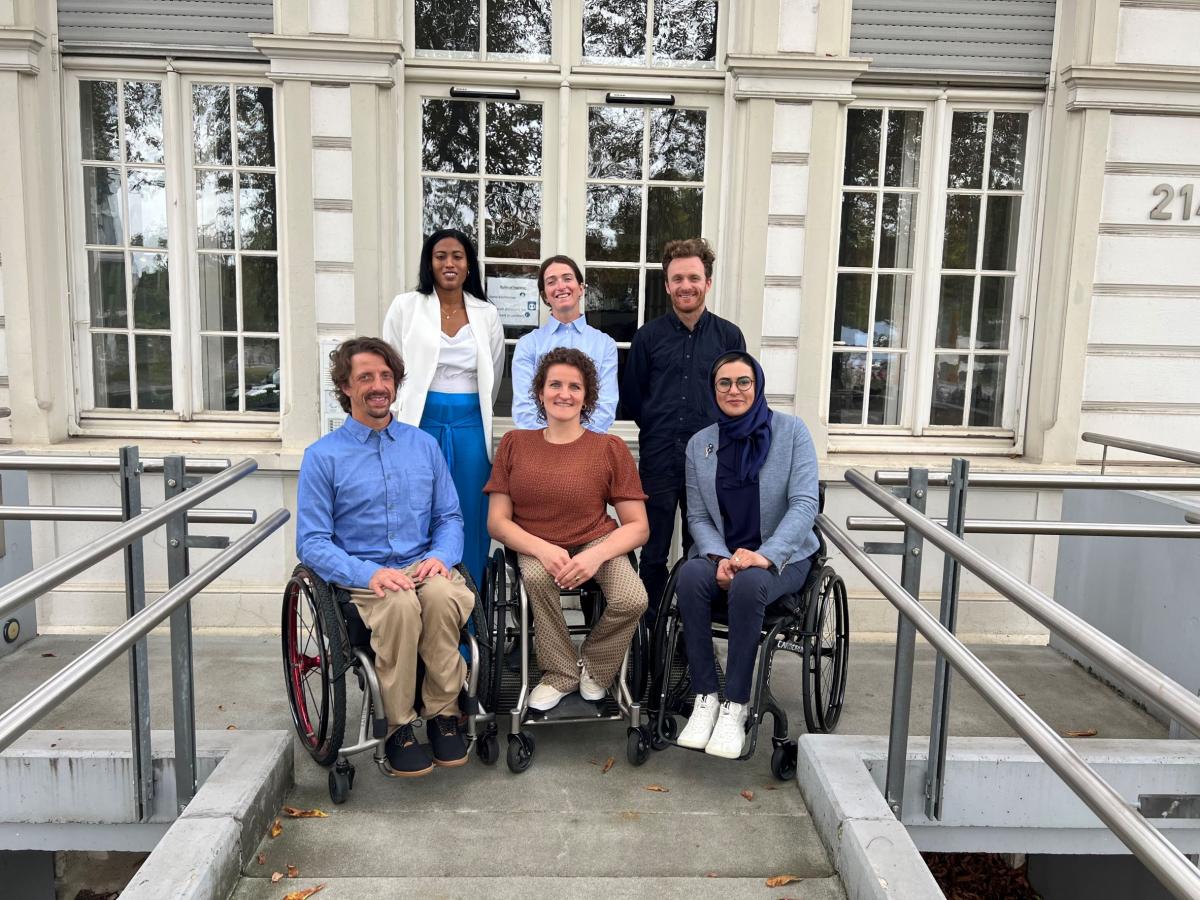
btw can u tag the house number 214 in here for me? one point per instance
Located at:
(1167, 193)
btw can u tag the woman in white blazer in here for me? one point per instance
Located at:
(452, 344)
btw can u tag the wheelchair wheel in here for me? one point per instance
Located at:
(488, 747)
(341, 782)
(826, 649)
(496, 585)
(478, 626)
(520, 752)
(637, 745)
(783, 761)
(312, 653)
(661, 737)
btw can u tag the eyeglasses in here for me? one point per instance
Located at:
(743, 384)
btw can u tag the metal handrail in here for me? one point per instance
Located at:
(114, 514)
(1158, 854)
(16, 462)
(55, 572)
(1157, 687)
(1052, 481)
(1108, 440)
(1033, 526)
(20, 717)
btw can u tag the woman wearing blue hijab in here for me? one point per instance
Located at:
(752, 499)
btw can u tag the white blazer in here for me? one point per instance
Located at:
(413, 326)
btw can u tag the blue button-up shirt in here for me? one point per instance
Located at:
(372, 499)
(581, 336)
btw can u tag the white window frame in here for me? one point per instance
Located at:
(916, 434)
(187, 418)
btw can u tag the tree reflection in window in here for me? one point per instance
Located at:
(625, 32)
(519, 29)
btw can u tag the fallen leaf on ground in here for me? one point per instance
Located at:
(292, 813)
(711, 875)
(593, 762)
(1083, 732)
(781, 880)
(292, 871)
(51, 655)
(221, 706)
(608, 764)
(276, 829)
(262, 859)
(658, 789)
(231, 728)
(749, 795)
(304, 894)
(276, 877)
(771, 787)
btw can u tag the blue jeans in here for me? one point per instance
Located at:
(749, 595)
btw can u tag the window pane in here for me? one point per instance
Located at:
(611, 301)
(153, 354)
(657, 300)
(514, 139)
(614, 222)
(1007, 163)
(450, 203)
(891, 307)
(147, 207)
(1000, 234)
(447, 25)
(98, 127)
(218, 293)
(902, 163)
(151, 293)
(513, 217)
(255, 126)
(858, 230)
(846, 388)
(210, 124)
(256, 199)
(503, 405)
(862, 146)
(527, 278)
(883, 405)
(110, 370)
(615, 142)
(685, 30)
(614, 29)
(672, 214)
(987, 391)
(102, 206)
(214, 210)
(962, 231)
(143, 122)
(519, 26)
(897, 231)
(852, 311)
(677, 144)
(106, 288)
(949, 389)
(262, 374)
(219, 370)
(995, 312)
(967, 135)
(954, 311)
(260, 293)
(449, 136)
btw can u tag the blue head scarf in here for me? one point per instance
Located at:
(749, 433)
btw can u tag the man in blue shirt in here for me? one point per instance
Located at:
(665, 390)
(560, 284)
(378, 514)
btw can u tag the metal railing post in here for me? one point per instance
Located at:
(935, 772)
(906, 648)
(139, 674)
(183, 699)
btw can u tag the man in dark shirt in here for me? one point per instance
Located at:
(664, 389)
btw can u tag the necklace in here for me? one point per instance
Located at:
(451, 314)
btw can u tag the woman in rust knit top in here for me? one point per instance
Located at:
(550, 489)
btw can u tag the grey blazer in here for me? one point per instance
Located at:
(787, 492)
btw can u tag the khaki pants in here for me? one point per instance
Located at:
(424, 622)
(605, 646)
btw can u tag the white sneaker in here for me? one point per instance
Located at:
(589, 687)
(729, 735)
(545, 697)
(699, 727)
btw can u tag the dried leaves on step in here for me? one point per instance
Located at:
(292, 813)
(781, 880)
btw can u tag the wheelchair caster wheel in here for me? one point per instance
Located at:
(489, 749)
(637, 745)
(341, 782)
(520, 752)
(660, 738)
(783, 761)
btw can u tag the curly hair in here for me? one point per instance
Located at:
(698, 247)
(582, 363)
(341, 357)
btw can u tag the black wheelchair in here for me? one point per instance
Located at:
(813, 623)
(323, 638)
(515, 672)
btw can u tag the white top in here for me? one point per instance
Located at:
(455, 371)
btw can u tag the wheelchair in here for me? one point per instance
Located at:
(323, 638)
(812, 623)
(514, 672)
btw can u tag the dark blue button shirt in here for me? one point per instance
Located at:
(664, 387)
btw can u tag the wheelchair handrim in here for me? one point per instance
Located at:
(300, 665)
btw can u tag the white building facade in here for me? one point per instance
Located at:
(964, 228)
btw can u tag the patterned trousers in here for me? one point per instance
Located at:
(604, 648)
